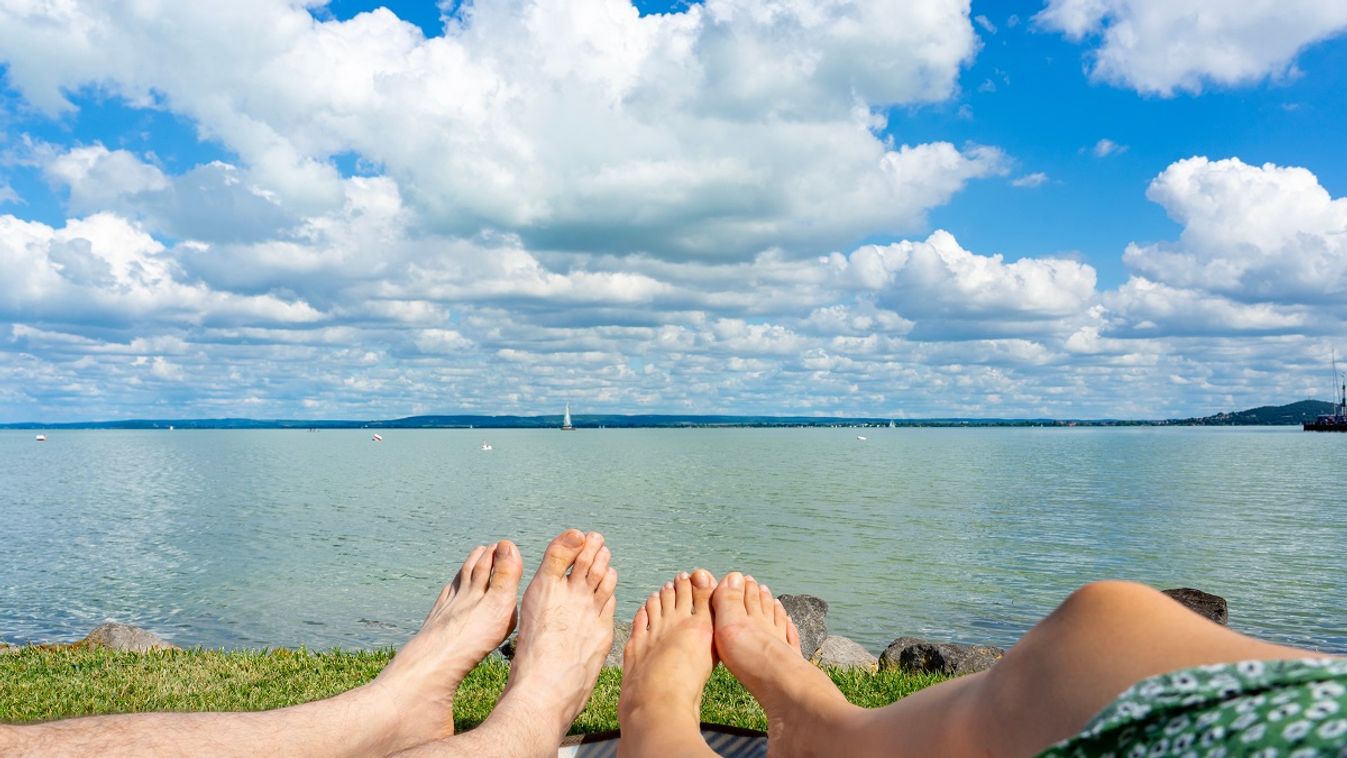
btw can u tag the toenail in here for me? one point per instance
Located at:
(701, 579)
(668, 585)
(766, 590)
(572, 537)
(734, 581)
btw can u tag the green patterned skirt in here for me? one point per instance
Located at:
(1293, 708)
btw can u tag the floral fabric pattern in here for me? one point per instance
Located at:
(1269, 709)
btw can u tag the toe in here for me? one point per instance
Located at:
(752, 597)
(464, 576)
(727, 601)
(599, 567)
(683, 593)
(561, 553)
(703, 584)
(780, 619)
(481, 568)
(608, 586)
(593, 543)
(767, 599)
(792, 635)
(667, 597)
(640, 624)
(507, 568)
(653, 611)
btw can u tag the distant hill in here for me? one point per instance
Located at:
(1295, 413)
(1266, 415)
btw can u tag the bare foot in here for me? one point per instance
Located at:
(565, 631)
(473, 615)
(665, 665)
(760, 645)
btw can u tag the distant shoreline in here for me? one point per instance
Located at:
(1283, 415)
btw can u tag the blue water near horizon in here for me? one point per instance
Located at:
(257, 538)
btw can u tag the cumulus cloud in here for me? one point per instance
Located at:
(1250, 233)
(1106, 147)
(1163, 46)
(575, 125)
(1029, 181)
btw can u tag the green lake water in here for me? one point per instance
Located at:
(287, 538)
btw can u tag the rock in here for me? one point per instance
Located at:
(621, 633)
(1204, 604)
(918, 656)
(114, 636)
(840, 652)
(810, 615)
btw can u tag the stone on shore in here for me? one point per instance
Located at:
(1204, 604)
(810, 615)
(916, 656)
(840, 652)
(132, 639)
(621, 633)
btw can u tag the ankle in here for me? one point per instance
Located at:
(390, 726)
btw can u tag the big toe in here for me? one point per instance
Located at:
(561, 553)
(506, 569)
(727, 600)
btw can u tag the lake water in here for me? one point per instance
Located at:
(287, 538)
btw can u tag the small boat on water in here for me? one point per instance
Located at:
(486, 446)
(1337, 420)
(566, 420)
(41, 438)
(378, 438)
(862, 437)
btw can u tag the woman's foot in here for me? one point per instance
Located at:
(472, 616)
(665, 665)
(759, 645)
(565, 631)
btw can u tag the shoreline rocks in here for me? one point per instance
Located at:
(810, 615)
(124, 637)
(1208, 606)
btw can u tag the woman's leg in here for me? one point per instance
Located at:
(1101, 640)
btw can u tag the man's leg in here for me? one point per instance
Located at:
(1103, 639)
(410, 702)
(565, 631)
(665, 666)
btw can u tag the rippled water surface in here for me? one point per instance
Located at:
(286, 538)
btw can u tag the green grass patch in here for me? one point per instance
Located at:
(38, 684)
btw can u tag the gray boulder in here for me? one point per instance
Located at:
(1204, 604)
(621, 633)
(840, 652)
(810, 615)
(917, 656)
(132, 639)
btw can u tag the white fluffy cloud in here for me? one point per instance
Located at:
(1251, 233)
(716, 132)
(1160, 46)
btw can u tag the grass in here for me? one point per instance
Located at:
(39, 684)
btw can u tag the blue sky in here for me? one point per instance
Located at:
(902, 209)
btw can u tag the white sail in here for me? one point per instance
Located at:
(566, 419)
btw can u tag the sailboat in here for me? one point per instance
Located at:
(1337, 420)
(566, 420)
(891, 424)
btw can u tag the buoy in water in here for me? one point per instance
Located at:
(41, 438)
(378, 438)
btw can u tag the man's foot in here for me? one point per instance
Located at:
(759, 644)
(473, 615)
(665, 665)
(565, 631)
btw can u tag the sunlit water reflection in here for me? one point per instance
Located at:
(286, 538)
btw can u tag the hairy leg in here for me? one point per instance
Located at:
(1103, 639)
(665, 666)
(410, 702)
(565, 630)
